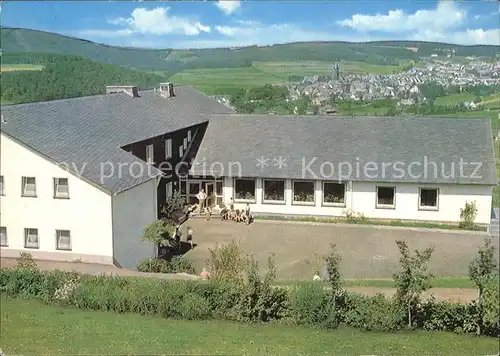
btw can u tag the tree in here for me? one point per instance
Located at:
(413, 279)
(157, 232)
(468, 216)
(332, 261)
(482, 271)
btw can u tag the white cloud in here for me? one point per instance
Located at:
(445, 23)
(446, 15)
(228, 6)
(158, 21)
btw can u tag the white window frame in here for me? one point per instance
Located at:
(57, 184)
(150, 153)
(59, 235)
(168, 148)
(4, 240)
(2, 186)
(254, 193)
(270, 201)
(424, 207)
(169, 189)
(185, 143)
(296, 202)
(29, 234)
(324, 203)
(385, 206)
(24, 183)
(189, 136)
(181, 151)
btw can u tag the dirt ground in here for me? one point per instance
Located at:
(367, 251)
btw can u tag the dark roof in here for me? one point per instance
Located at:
(300, 139)
(89, 131)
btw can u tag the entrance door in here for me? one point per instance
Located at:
(209, 189)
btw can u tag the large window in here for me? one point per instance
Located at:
(150, 154)
(386, 197)
(168, 148)
(2, 186)
(61, 189)
(28, 187)
(428, 198)
(185, 143)
(333, 193)
(274, 191)
(189, 136)
(303, 192)
(31, 238)
(63, 240)
(244, 189)
(3, 236)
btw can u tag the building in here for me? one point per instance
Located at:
(80, 178)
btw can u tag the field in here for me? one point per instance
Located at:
(453, 99)
(220, 80)
(18, 67)
(56, 330)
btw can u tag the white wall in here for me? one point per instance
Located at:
(362, 199)
(133, 209)
(87, 213)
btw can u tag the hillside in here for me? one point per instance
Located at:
(380, 53)
(64, 76)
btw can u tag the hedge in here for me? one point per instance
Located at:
(304, 304)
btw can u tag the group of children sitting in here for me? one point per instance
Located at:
(243, 215)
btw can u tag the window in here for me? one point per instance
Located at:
(244, 189)
(181, 151)
(386, 197)
(31, 238)
(189, 135)
(194, 189)
(61, 189)
(63, 240)
(149, 154)
(29, 187)
(333, 193)
(168, 149)
(185, 143)
(2, 186)
(428, 198)
(3, 236)
(303, 192)
(274, 190)
(168, 190)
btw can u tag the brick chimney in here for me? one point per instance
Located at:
(167, 90)
(127, 89)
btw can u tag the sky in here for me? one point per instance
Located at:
(205, 24)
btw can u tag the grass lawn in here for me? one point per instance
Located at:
(300, 68)
(16, 67)
(361, 68)
(55, 330)
(453, 99)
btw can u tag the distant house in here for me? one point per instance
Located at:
(470, 105)
(80, 178)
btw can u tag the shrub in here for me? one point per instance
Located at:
(193, 306)
(377, 313)
(490, 306)
(311, 305)
(25, 260)
(178, 264)
(354, 217)
(468, 216)
(227, 263)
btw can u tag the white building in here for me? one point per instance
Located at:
(80, 178)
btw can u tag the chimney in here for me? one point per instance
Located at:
(167, 90)
(127, 89)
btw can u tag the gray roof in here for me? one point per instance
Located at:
(395, 141)
(87, 132)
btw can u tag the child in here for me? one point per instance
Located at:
(190, 237)
(247, 214)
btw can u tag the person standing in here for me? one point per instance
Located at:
(201, 196)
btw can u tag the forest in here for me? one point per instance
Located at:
(65, 76)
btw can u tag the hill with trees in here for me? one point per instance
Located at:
(65, 76)
(172, 60)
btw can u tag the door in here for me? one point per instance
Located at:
(209, 189)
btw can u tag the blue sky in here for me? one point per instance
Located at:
(235, 23)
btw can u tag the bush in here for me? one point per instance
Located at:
(26, 261)
(491, 307)
(468, 216)
(227, 263)
(178, 264)
(311, 305)
(377, 313)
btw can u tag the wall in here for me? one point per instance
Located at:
(362, 199)
(133, 209)
(87, 213)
